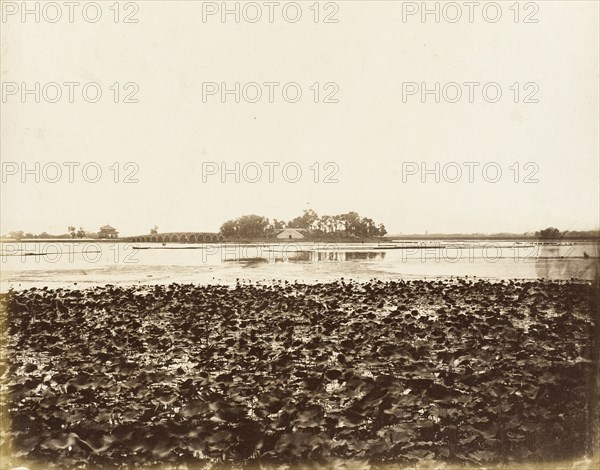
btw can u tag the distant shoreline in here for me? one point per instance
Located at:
(387, 239)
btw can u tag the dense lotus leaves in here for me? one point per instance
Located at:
(344, 375)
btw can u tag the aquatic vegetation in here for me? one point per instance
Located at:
(343, 374)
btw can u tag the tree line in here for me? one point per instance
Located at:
(350, 224)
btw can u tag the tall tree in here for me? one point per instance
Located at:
(548, 233)
(17, 235)
(247, 226)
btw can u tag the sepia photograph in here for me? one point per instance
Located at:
(296, 235)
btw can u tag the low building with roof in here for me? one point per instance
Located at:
(291, 234)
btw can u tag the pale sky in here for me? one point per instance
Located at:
(370, 135)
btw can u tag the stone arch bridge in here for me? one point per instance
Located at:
(179, 237)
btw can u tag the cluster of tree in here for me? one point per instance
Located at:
(81, 233)
(348, 225)
(548, 233)
(72, 233)
(581, 234)
(248, 226)
(22, 235)
(552, 233)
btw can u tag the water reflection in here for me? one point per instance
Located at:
(369, 255)
(92, 263)
(308, 257)
(566, 262)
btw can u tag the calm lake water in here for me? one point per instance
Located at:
(84, 264)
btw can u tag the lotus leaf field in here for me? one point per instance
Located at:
(333, 375)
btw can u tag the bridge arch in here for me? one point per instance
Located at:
(179, 237)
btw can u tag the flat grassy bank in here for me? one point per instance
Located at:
(338, 375)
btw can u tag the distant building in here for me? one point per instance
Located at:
(108, 232)
(291, 234)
